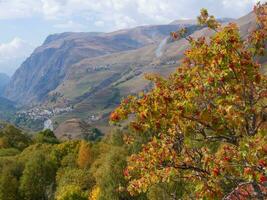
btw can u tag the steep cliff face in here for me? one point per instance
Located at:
(43, 71)
(49, 64)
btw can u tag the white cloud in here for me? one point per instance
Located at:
(51, 8)
(102, 15)
(13, 49)
(153, 10)
(13, 53)
(115, 21)
(239, 3)
(158, 10)
(99, 23)
(12, 9)
(70, 26)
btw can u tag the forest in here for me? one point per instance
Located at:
(198, 134)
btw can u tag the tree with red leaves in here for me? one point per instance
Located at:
(206, 123)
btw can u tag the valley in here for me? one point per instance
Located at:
(162, 111)
(85, 75)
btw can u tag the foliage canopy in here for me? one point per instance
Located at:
(206, 123)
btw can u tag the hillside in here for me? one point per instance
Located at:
(134, 64)
(91, 72)
(7, 108)
(50, 64)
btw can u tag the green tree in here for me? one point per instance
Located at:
(108, 173)
(64, 154)
(46, 136)
(9, 181)
(10, 136)
(38, 178)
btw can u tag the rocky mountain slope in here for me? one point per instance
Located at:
(91, 72)
(50, 64)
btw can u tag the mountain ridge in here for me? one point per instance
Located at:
(63, 50)
(91, 72)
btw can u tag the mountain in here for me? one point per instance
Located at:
(50, 64)
(91, 72)
(7, 109)
(4, 79)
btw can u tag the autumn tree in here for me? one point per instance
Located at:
(76, 181)
(206, 123)
(84, 155)
(71, 192)
(94, 195)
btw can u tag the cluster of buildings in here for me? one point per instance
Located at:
(43, 114)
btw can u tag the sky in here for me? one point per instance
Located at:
(24, 24)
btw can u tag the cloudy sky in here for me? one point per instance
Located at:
(24, 24)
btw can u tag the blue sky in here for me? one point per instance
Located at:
(24, 24)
